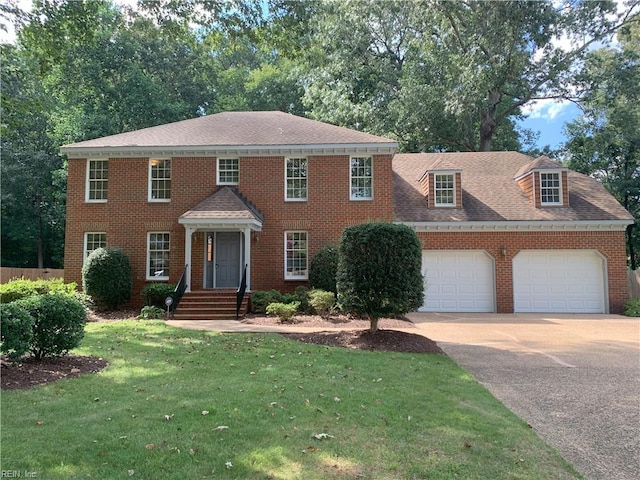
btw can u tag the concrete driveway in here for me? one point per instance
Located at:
(574, 379)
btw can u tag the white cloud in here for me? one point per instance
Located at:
(547, 109)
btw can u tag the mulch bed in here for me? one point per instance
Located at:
(30, 372)
(382, 340)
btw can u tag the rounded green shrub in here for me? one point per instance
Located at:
(284, 311)
(58, 323)
(154, 294)
(322, 301)
(323, 269)
(106, 277)
(632, 307)
(262, 298)
(16, 330)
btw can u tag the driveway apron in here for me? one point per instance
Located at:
(574, 379)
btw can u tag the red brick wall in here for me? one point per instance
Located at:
(127, 216)
(610, 244)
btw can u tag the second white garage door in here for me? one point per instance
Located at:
(458, 281)
(559, 281)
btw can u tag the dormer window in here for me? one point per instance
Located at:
(444, 189)
(550, 188)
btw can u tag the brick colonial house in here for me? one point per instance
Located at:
(501, 231)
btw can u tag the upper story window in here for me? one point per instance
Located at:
(93, 241)
(158, 249)
(159, 180)
(228, 171)
(444, 185)
(97, 180)
(295, 256)
(296, 179)
(550, 188)
(361, 178)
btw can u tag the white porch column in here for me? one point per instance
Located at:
(187, 254)
(247, 255)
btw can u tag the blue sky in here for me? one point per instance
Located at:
(549, 118)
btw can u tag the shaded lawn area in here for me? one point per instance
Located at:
(190, 404)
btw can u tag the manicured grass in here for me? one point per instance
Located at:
(188, 404)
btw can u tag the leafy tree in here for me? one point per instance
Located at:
(379, 271)
(32, 173)
(605, 141)
(442, 75)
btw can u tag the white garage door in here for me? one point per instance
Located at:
(569, 281)
(458, 281)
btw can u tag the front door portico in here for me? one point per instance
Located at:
(227, 220)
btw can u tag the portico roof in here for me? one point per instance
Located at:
(226, 207)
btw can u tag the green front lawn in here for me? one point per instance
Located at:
(188, 404)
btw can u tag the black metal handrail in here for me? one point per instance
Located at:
(178, 292)
(241, 289)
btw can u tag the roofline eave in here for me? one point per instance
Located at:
(379, 148)
(520, 225)
(221, 223)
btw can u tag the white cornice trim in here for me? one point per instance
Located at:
(520, 226)
(234, 150)
(217, 223)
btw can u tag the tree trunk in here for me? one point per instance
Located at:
(373, 324)
(489, 121)
(38, 213)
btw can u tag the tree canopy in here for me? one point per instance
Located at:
(434, 75)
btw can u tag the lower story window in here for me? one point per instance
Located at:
(93, 241)
(158, 256)
(295, 256)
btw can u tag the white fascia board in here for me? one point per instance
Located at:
(220, 223)
(520, 226)
(234, 150)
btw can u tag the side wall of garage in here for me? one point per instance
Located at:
(504, 246)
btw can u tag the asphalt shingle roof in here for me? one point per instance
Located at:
(226, 203)
(236, 129)
(490, 192)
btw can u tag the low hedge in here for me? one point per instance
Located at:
(22, 288)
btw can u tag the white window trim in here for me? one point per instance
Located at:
(435, 190)
(295, 199)
(86, 241)
(559, 174)
(87, 184)
(218, 182)
(287, 275)
(148, 264)
(351, 196)
(150, 182)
